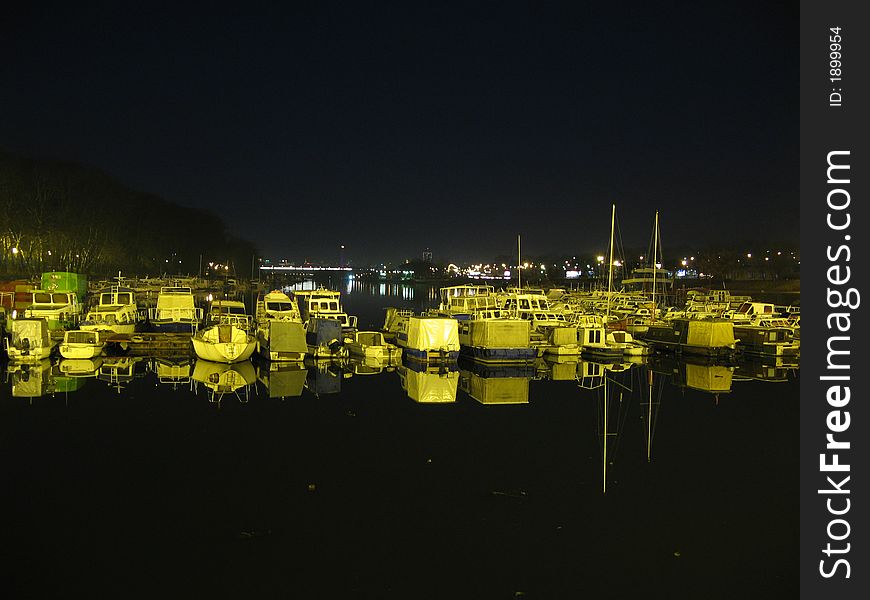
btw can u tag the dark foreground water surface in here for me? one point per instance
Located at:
(334, 480)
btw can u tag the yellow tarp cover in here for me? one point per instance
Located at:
(563, 336)
(499, 390)
(429, 388)
(709, 378)
(433, 333)
(499, 333)
(710, 334)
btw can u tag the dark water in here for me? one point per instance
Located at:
(351, 486)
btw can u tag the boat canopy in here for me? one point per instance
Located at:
(433, 333)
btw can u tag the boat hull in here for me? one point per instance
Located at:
(376, 352)
(81, 351)
(226, 353)
(28, 356)
(499, 355)
(572, 350)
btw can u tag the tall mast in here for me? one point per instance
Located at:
(519, 265)
(655, 263)
(610, 269)
(604, 465)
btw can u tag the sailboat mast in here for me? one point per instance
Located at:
(655, 263)
(610, 269)
(604, 470)
(519, 265)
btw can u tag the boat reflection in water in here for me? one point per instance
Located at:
(120, 370)
(220, 379)
(705, 377)
(370, 365)
(495, 384)
(558, 368)
(84, 368)
(778, 370)
(31, 380)
(429, 384)
(172, 371)
(282, 379)
(324, 375)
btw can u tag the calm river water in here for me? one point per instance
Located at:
(564, 480)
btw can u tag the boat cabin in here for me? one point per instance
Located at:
(755, 309)
(467, 298)
(324, 304)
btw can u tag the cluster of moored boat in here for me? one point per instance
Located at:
(284, 328)
(516, 324)
(513, 325)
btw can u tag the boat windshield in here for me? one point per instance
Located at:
(279, 306)
(229, 310)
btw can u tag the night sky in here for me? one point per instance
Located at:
(393, 128)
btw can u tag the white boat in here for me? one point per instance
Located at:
(30, 341)
(224, 343)
(280, 332)
(462, 301)
(625, 341)
(371, 344)
(227, 311)
(325, 304)
(59, 309)
(176, 311)
(592, 334)
(81, 344)
(115, 312)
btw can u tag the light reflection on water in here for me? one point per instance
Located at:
(554, 455)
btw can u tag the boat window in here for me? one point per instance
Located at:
(42, 298)
(279, 306)
(125, 298)
(105, 298)
(333, 306)
(524, 303)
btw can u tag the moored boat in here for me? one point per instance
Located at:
(496, 340)
(176, 311)
(224, 343)
(765, 341)
(325, 304)
(116, 311)
(30, 340)
(371, 344)
(429, 338)
(81, 344)
(280, 332)
(705, 337)
(325, 338)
